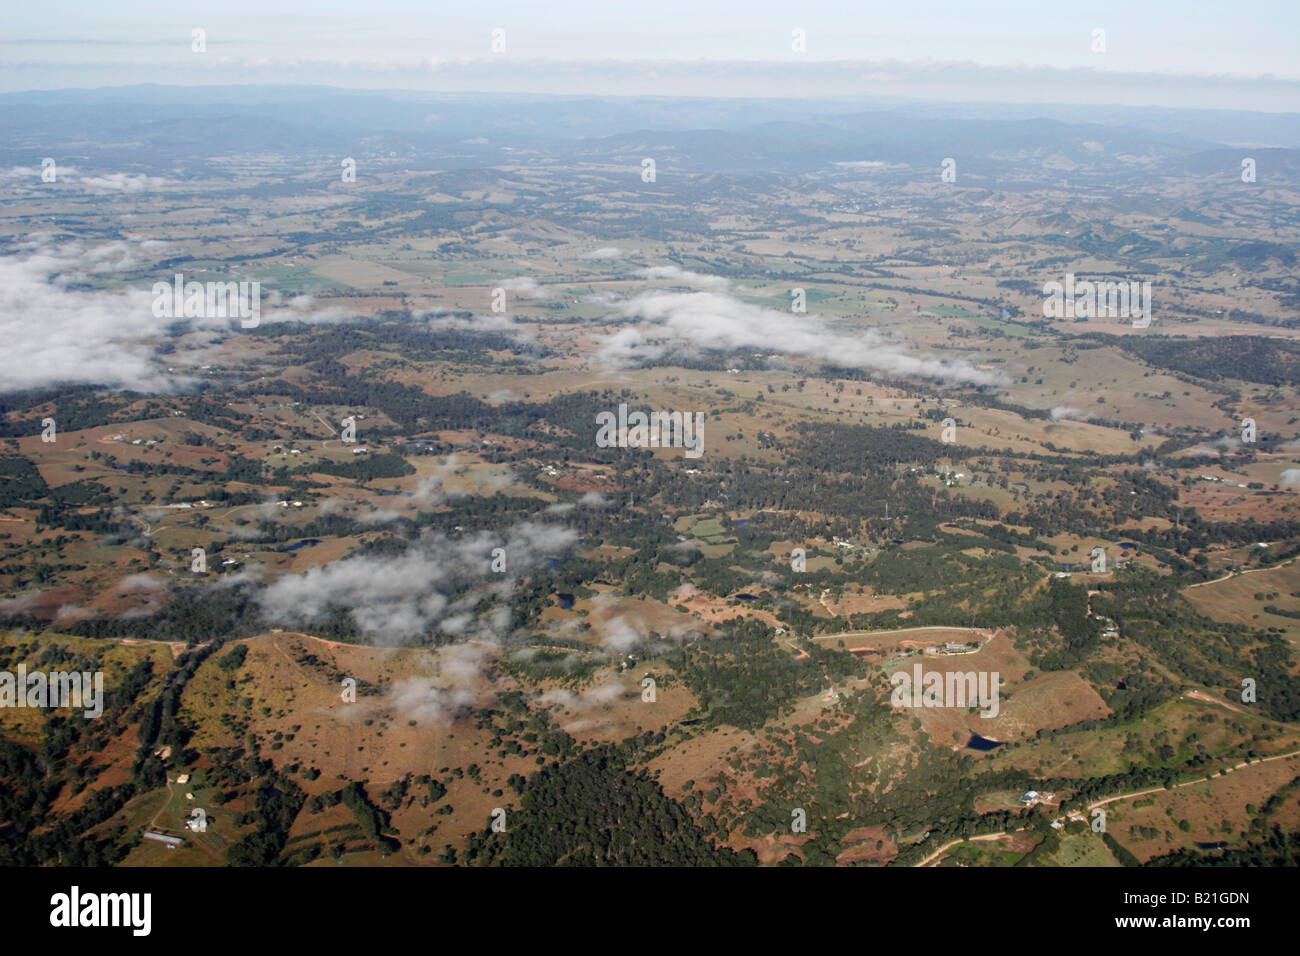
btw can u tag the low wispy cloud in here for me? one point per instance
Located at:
(58, 332)
(1068, 412)
(424, 699)
(438, 320)
(138, 583)
(585, 700)
(685, 277)
(593, 500)
(430, 490)
(673, 324)
(1215, 446)
(122, 182)
(619, 636)
(70, 176)
(437, 586)
(526, 286)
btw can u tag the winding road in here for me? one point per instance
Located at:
(1108, 800)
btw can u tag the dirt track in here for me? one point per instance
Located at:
(1237, 574)
(1108, 800)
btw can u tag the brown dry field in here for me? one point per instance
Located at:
(111, 764)
(861, 847)
(379, 739)
(1095, 752)
(1204, 805)
(909, 637)
(375, 738)
(859, 599)
(1233, 600)
(1044, 701)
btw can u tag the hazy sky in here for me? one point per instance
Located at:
(1210, 53)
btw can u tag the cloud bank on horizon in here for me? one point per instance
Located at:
(1162, 52)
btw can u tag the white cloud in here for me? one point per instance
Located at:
(1068, 412)
(380, 516)
(686, 322)
(686, 277)
(526, 286)
(620, 636)
(438, 320)
(134, 583)
(422, 699)
(55, 333)
(430, 491)
(592, 697)
(436, 584)
(122, 182)
(684, 592)
(70, 176)
(71, 612)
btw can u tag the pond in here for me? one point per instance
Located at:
(306, 542)
(977, 742)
